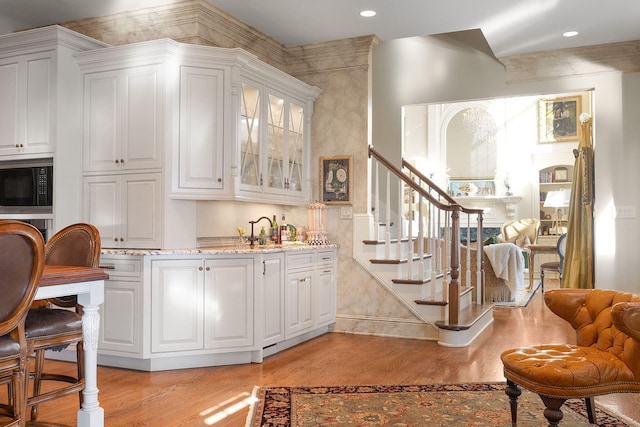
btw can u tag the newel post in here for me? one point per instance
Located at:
(454, 284)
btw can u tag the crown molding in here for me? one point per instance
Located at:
(619, 57)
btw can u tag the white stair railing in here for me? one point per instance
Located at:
(438, 217)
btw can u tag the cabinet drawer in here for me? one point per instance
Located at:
(121, 267)
(307, 259)
(326, 257)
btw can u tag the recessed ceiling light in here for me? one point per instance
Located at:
(368, 13)
(570, 34)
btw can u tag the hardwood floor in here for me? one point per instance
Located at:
(217, 396)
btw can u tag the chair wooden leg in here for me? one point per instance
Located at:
(552, 411)
(513, 391)
(591, 409)
(37, 380)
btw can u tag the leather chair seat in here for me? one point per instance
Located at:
(45, 322)
(9, 348)
(564, 370)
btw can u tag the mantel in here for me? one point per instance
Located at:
(490, 204)
(510, 204)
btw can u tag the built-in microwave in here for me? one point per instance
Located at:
(26, 186)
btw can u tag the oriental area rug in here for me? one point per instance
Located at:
(471, 405)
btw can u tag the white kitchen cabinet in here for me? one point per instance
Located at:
(27, 85)
(121, 313)
(201, 304)
(299, 297)
(271, 299)
(202, 111)
(126, 209)
(299, 302)
(123, 118)
(198, 307)
(325, 297)
(274, 144)
(310, 294)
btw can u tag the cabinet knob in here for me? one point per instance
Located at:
(115, 239)
(208, 268)
(117, 161)
(121, 160)
(122, 239)
(302, 280)
(200, 268)
(219, 179)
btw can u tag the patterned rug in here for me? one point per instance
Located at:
(471, 405)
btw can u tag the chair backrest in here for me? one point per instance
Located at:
(21, 264)
(76, 245)
(521, 232)
(562, 246)
(589, 311)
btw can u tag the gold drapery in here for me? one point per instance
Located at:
(579, 256)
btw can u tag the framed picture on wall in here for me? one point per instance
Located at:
(472, 187)
(336, 177)
(559, 119)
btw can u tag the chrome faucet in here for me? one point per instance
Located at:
(253, 238)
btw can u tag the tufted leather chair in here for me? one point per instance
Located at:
(50, 328)
(21, 264)
(606, 358)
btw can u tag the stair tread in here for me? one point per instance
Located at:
(382, 242)
(396, 260)
(415, 281)
(468, 316)
(463, 291)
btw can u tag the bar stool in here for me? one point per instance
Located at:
(21, 264)
(55, 328)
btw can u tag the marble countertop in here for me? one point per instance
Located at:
(221, 250)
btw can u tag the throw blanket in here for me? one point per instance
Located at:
(507, 262)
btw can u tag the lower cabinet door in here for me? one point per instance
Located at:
(121, 317)
(177, 307)
(299, 303)
(228, 299)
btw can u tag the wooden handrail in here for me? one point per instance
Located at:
(447, 207)
(439, 190)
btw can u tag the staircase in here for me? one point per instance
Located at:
(412, 247)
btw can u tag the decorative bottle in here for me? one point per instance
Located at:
(275, 231)
(284, 230)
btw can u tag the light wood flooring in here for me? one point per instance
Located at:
(217, 396)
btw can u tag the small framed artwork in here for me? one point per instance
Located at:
(560, 174)
(472, 187)
(336, 177)
(559, 119)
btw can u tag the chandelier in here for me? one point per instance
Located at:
(479, 123)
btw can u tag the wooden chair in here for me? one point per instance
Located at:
(554, 266)
(606, 358)
(49, 328)
(21, 264)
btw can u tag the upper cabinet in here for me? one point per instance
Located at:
(26, 84)
(38, 73)
(202, 112)
(243, 130)
(274, 144)
(123, 118)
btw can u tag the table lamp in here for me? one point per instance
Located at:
(557, 199)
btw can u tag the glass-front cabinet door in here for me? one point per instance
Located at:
(272, 143)
(249, 134)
